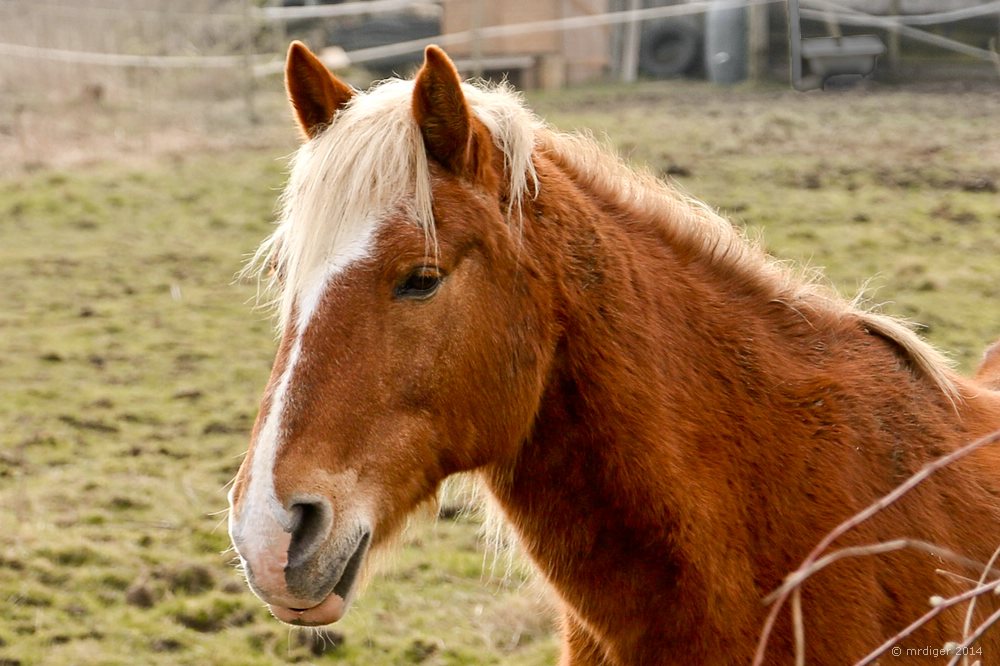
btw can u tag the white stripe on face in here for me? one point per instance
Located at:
(261, 522)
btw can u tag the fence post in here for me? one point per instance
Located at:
(893, 50)
(757, 40)
(249, 82)
(630, 45)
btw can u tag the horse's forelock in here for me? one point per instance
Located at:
(368, 163)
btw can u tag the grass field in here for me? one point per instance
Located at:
(131, 363)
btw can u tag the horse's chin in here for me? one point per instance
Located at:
(327, 611)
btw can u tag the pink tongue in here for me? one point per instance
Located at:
(327, 611)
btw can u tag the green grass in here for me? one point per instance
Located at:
(131, 362)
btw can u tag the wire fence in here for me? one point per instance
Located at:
(197, 65)
(112, 47)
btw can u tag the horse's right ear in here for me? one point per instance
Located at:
(441, 111)
(316, 94)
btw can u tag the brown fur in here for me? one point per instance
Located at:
(667, 436)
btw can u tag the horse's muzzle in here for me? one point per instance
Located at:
(297, 563)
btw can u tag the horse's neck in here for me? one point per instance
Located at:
(679, 394)
(622, 480)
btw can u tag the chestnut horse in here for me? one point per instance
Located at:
(669, 419)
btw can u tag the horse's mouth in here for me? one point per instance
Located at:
(327, 611)
(353, 567)
(335, 604)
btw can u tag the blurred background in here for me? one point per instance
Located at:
(143, 144)
(154, 74)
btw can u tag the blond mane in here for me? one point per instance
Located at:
(637, 189)
(371, 161)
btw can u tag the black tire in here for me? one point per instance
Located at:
(669, 48)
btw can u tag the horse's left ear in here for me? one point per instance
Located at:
(316, 94)
(442, 112)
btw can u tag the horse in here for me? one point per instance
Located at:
(667, 418)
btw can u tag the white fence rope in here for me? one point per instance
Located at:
(124, 59)
(379, 6)
(261, 13)
(512, 29)
(63, 9)
(938, 18)
(342, 9)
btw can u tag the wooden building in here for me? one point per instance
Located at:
(547, 58)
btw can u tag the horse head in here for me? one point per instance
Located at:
(411, 345)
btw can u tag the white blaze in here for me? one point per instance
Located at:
(261, 519)
(370, 160)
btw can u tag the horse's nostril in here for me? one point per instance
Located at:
(311, 524)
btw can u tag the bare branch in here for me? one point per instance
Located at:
(955, 576)
(856, 520)
(799, 576)
(937, 609)
(980, 630)
(972, 604)
(799, 628)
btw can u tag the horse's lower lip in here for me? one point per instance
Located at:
(327, 611)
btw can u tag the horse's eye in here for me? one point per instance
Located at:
(420, 283)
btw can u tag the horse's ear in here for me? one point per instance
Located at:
(441, 111)
(316, 94)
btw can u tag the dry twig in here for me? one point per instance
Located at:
(936, 610)
(972, 603)
(961, 648)
(781, 595)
